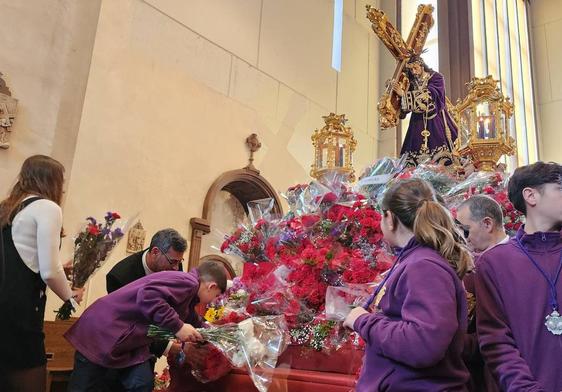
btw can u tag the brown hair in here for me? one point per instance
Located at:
(536, 176)
(413, 202)
(213, 271)
(39, 175)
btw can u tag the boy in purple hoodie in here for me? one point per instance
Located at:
(414, 335)
(112, 332)
(519, 289)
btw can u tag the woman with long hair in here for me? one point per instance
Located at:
(31, 222)
(415, 321)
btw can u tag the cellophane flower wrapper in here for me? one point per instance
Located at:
(293, 197)
(262, 210)
(341, 299)
(254, 344)
(331, 237)
(211, 363)
(472, 185)
(265, 339)
(252, 242)
(440, 177)
(229, 307)
(491, 184)
(274, 295)
(305, 198)
(376, 178)
(92, 247)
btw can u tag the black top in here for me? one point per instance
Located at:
(126, 271)
(22, 306)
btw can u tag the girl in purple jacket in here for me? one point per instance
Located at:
(417, 317)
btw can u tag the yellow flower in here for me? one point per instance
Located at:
(210, 315)
(213, 314)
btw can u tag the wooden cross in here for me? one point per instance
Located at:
(389, 103)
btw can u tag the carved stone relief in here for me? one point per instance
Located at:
(8, 107)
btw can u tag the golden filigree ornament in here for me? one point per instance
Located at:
(334, 145)
(483, 121)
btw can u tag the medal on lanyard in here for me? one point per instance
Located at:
(553, 320)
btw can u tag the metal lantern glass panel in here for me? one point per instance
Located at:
(483, 119)
(334, 145)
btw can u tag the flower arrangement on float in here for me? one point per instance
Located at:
(326, 255)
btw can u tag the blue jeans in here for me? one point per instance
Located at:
(88, 377)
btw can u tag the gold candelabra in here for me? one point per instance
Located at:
(483, 122)
(334, 145)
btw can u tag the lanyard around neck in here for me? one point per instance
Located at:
(551, 281)
(381, 285)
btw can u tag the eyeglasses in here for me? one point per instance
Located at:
(465, 230)
(171, 261)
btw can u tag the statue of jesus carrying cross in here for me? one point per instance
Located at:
(417, 89)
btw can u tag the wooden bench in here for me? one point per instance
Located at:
(60, 353)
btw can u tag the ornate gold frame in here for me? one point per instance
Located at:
(327, 148)
(484, 152)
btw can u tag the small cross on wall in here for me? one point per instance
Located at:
(254, 145)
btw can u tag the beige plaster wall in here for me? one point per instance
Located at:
(546, 30)
(175, 87)
(45, 57)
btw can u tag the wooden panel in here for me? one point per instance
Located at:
(60, 353)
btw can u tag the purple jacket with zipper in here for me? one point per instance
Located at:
(415, 341)
(512, 303)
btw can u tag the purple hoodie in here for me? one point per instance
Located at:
(415, 341)
(513, 301)
(112, 331)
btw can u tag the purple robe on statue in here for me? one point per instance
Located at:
(437, 120)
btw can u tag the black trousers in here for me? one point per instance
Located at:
(88, 377)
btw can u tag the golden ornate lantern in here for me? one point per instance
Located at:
(483, 121)
(334, 145)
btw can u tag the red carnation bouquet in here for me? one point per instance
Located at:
(254, 344)
(251, 243)
(330, 237)
(92, 247)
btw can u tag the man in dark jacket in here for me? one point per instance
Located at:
(165, 253)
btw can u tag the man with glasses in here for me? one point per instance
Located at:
(481, 220)
(165, 253)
